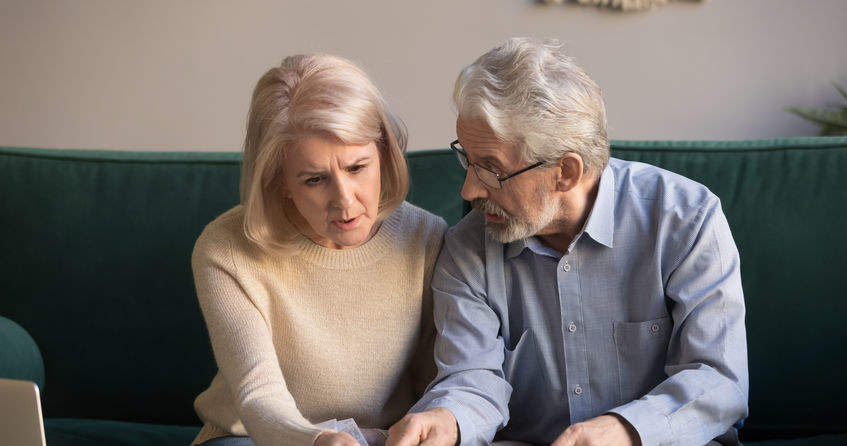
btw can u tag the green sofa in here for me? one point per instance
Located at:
(97, 302)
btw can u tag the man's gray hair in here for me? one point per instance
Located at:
(534, 96)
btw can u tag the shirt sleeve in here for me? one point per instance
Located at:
(423, 367)
(468, 349)
(244, 351)
(706, 364)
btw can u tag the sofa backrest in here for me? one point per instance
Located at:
(95, 259)
(96, 266)
(95, 262)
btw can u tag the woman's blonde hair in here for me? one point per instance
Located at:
(313, 95)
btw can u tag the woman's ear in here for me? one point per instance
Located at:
(570, 172)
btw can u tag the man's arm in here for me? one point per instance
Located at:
(470, 383)
(706, 389)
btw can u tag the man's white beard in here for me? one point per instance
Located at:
(515, 227)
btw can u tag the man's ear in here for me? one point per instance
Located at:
(570, 172)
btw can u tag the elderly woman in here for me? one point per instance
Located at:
(316, 288)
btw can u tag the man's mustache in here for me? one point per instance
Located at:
(489, 207)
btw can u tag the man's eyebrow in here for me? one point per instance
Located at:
(488, 159)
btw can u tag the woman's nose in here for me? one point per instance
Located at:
(344, 196)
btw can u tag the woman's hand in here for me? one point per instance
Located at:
(336, 439)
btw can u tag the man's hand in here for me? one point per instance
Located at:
(336, 439)
(605, 430)
(436, 427)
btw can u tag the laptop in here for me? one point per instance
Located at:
(20, 414)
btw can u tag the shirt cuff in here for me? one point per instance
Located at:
(652, 426)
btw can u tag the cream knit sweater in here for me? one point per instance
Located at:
(318, 335)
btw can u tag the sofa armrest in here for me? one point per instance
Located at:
(20, 357)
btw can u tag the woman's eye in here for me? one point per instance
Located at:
(357, 168)
(312, 181)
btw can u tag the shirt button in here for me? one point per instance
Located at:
(655, 328)
(566, 266)
(572, 327)
(577, 390)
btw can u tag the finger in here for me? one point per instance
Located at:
(402, 436)
(345, 439)
(568, 438)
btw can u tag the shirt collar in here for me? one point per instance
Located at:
(514, 248)
(601, 221)
(600, 224)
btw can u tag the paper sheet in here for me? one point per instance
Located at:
(365, 437)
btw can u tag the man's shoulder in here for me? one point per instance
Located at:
(465, 252)
(655, 186)
(469, 231)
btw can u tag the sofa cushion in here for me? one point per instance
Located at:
(81, 432)
(436, 180)
(818, 440)
(19, 356)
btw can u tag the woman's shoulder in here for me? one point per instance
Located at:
(225, 225)
(222, 233)
(418, 227)
(415, 217)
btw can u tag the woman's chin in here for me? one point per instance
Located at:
(348, 242)
(351, 238)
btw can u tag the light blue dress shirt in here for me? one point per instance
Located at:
(643, 316)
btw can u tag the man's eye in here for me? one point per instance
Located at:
(491, 169)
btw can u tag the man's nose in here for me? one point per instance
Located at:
(473, 187)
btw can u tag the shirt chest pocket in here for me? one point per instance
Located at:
(641, 350)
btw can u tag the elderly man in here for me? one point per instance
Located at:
(584, 300)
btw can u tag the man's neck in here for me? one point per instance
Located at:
(576, 207)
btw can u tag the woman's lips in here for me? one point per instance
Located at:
(346, 225)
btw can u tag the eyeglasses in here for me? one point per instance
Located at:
(488, 177)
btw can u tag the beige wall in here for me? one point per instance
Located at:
(177, 74)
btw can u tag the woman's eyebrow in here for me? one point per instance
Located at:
(310, 173)
(317, 171)
(358, 161)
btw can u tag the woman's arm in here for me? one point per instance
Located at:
(244, 350)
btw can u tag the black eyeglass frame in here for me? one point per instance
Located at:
(462, 156)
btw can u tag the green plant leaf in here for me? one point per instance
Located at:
(823, 117)
(840, 90)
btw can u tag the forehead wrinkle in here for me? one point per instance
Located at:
(494, 153)
(322, 162)
(485, 146)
